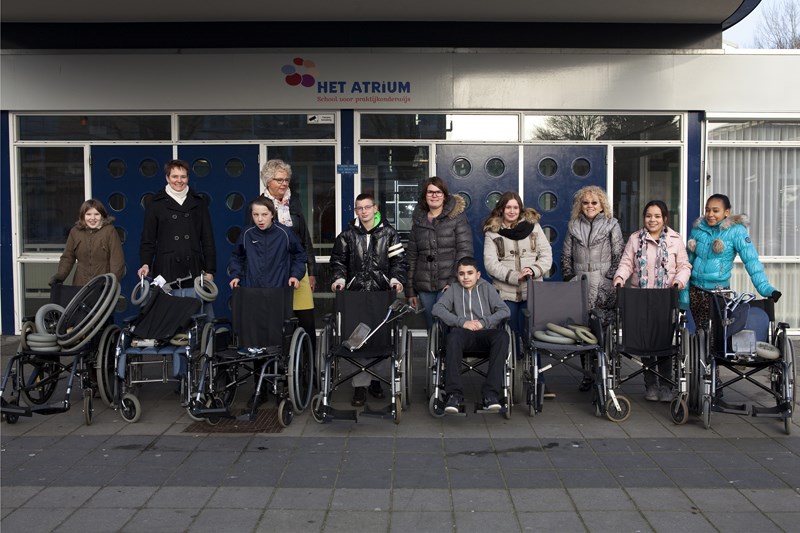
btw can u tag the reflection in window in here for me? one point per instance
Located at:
(232, 235)
(551, 233)
(440, 127)
(148, 168)
(234, 201)
(581, 167)
(201, 168)
(94, 128)
(117, 201)
(547, 201)
(461, 167)
(234, 167)
(253, 127)
(145, 199)
(116, 168)
(51, 192)
(467, 199)
(495, 167)
(602, 127)
(548, 167)
(492, 198)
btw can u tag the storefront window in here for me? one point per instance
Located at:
(441, 127)
(51, 183)
(94, 128)
(255, 127)
(602, 127)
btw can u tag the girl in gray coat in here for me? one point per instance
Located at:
(440, 236)
(593, 247)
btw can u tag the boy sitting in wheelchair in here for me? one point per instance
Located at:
(474, 311)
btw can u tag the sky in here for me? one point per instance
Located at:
(743, 34)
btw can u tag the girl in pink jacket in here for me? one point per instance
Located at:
(655, 257)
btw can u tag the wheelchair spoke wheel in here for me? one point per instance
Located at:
(225, 386)
(88, 406)
(316, 408)
(28, 327)
(285, 413)
(104, 363)
(621, 414)
(323, 347)
(706, 412)
(47, 318)
(207, 340)
(301, 370)
(679, 411)
(130, 408)
(41, 380)
(518, 374)
(214, 403)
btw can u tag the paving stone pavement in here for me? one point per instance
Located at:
(563, 470)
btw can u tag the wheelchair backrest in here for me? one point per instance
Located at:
(259, 315)
(759, 322)
(369, 307)
(165, 316)
(560, 302)
(648, 318)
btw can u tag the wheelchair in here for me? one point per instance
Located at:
(61, 344)
(272, 348)
(476, 362)
(159, 345)
(649, 324)
(355, 334)
(748, 343)
(560, 327)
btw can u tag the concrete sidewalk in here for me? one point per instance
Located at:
(563, 470)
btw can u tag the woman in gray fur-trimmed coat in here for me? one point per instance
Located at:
(440, 236)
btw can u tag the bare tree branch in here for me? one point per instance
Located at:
(780, 26)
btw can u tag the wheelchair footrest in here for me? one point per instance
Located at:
(17, 410)
(778, 411)
(461, 412)
(341, 414)
(383, 412)
(203, 412)
(481, 411)
(51, 408)
(721, 406)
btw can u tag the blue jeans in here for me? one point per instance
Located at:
(428, 299)
(517, 320)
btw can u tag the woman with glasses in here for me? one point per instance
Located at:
(440, 236)
(593, 247)
(276, 176)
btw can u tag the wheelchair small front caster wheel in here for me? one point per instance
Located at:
(621, 414)
(706, 413)
(88, 407)
(679, 411)
(285, 413)
(316, 408)
(130, 408)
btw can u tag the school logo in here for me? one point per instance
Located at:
(302, 72)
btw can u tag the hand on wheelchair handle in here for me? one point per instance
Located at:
(54, 281)
(337, 285)
(398, 287)
(293, 282)
(776, 295)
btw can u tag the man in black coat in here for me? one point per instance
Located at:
(177, 237)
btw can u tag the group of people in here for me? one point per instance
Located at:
(436, 270)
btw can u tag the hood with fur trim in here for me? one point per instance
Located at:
(495, 223)
(454, 206)
(717, 245)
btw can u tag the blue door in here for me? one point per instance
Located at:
(122, 177)
(229, 176)
(480, 174)
(552, 176)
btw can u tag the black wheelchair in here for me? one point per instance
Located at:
(648, 327)
(355, 334)
(558, 329)
(61, 344)
(270, 347)
(747, 342)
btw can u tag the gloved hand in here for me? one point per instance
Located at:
(776, 295)
(55, 281)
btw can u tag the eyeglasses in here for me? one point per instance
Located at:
(434, 193)
(589, 203)
(281, 180)
(365, 207)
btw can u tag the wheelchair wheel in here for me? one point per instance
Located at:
(47, 318)
(12, 401)
(130, 408)
(301, 370)
(88, 407)
(285, 413)
(621, 414)
(316, 405)
(215, 403)
(323, 347)
(436, 405)
(679, 411)
(104, 364)
(430, 361)
(598, 399)
(80, 314)
(207, 340)
(518, 383)
(398, 407)
(706, 412)
(41, 381)
(405, 367)
(76, 340)
(27, 328)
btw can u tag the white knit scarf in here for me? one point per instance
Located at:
(179, 197)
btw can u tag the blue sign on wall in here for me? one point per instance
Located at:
(347, 169)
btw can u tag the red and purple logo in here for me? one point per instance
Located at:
(293, 74)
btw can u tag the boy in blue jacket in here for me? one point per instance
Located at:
(474, 311)
(267, 254)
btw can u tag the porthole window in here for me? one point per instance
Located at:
(116, 168)
(462, 167)
(232, 235)
(117, 201)
(467, 199)
(551, 233)
(548, 167)
(122, 234)
(547, 201)
(581, 167)
(234, 167)
(201, 168)
(148, 168)
(495, 167)
(234, 201)
(145, 199)
(492, 198)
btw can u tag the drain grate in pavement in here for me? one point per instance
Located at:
(266, 422)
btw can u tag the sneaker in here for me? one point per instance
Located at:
(375, 389)
(651, 393)
(666, 394)
(491, 403)
(454, 404)
(359, 396)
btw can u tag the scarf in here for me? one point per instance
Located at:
(518, 232)
(661, 259)
(284, 217)
(179, 197)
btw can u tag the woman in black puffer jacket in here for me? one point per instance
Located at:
(440, 236)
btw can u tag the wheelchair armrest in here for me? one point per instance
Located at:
(781, 326)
